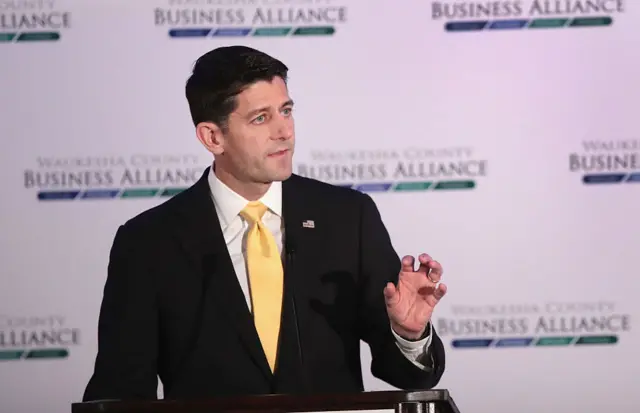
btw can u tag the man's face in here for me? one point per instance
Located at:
(259, 141)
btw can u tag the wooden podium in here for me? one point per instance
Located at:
(428, 401)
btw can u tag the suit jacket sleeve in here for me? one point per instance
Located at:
(379, 264)
(125, 366)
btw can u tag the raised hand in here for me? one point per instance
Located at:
(410, 304)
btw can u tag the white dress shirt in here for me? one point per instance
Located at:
(228, 205)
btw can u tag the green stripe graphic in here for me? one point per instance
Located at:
(548, 23)
(38, 36)
(29, 37)
(434, 186)
(554, 341)
(7, 37)
(46, 353)
(272, 31)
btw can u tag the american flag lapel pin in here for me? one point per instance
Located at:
(308, 224)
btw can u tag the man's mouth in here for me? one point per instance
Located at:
(279, 153)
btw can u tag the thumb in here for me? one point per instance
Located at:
(391, 295)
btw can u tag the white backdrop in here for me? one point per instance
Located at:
(473, 142)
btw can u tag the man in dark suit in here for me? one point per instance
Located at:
(256, 280)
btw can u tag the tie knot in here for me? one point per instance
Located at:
(254, 211)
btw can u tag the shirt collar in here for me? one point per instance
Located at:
(229, 204)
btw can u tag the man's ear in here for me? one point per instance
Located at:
(210, 135)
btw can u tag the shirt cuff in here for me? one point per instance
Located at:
(416, 351)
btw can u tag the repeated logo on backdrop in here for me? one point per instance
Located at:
(112, 177)
(549, 324)
(36, 337)
(32, 21)
(607, 162)
(473, 16)
(240, 18)
(401, 170)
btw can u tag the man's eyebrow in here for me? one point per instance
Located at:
(266, 108)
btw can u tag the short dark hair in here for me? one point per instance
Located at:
(221, 74)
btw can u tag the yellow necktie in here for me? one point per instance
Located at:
(265, 279)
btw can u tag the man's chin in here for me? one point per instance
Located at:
(282, 176)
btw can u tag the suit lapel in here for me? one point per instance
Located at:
(202, 237)
(298, 241)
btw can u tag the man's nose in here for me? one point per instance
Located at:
(283, 129)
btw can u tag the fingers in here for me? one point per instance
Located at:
(424, 260)
(434, 297)
(440, 292)
(431, 268)
(391, 295)
(408, 264)
(435, 274)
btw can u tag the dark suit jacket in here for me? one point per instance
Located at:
(173, 307)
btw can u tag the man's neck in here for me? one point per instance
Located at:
(249, 191)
